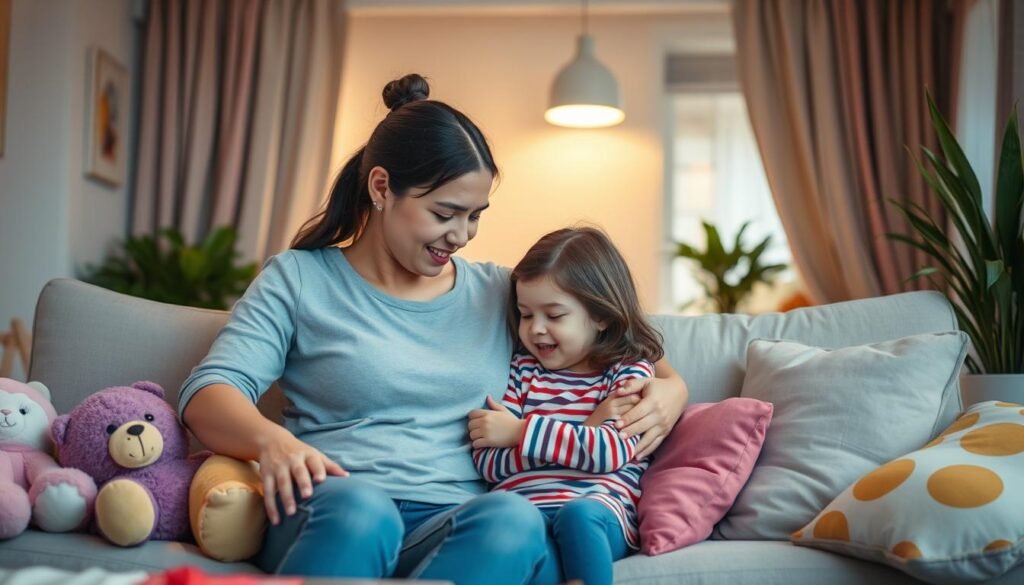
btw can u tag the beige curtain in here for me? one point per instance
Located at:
(238, 109)
(836, 94)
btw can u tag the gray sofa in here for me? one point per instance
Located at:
(87, 338)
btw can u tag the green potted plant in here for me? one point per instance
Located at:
(729, 276)
(166, 269)
(979, 264)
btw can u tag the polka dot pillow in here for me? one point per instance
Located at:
(950, 512)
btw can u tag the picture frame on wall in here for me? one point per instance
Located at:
(107, 116)
(5, 49)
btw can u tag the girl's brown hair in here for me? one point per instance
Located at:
(585, 263)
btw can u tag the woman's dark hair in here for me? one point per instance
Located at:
(585, 263)
(420, 143)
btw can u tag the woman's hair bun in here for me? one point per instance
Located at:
(411, 88)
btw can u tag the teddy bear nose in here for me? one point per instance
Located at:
(136, 430)
(5, 411)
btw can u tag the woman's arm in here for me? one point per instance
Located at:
(225, 421)
(664, 398)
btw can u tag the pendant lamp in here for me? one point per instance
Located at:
(585, 93)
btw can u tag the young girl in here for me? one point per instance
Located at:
(553, 437)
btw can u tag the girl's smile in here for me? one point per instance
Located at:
(554, 326)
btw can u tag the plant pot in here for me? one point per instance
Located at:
(975, 388)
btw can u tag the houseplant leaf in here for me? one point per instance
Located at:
(980, 263)
(168, 270)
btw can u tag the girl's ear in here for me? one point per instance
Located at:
(377, 184)
(602, 325)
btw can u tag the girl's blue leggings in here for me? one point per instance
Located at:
(349, 528)
(588, 538)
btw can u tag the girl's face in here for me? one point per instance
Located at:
(422, 232)
(554, 326)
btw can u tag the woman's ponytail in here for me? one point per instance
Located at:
(345, 213)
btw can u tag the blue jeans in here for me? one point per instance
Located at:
(589, 539)
(349, 528)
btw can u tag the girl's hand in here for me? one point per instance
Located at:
(496, 427)
(611, 407)
(283, 460)
(654, 416)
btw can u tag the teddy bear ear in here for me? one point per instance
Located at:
(58, 428)
(151, 387)
(42, 389)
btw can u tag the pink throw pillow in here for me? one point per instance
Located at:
(699, 470)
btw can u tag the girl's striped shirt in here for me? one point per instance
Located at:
(558, 458)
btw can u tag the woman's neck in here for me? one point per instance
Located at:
(373, 261)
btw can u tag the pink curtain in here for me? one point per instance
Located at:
(836, 95)
(238, 106)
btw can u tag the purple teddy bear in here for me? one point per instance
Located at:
(129, 440)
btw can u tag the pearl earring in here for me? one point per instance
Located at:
(378, 206)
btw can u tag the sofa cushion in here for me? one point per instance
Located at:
(77, 552)
(763, 562)
(838, 414)
(697, 474)
(710, 351)
(950, 512)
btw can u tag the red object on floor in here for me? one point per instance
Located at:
(193, 576)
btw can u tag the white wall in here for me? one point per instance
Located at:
(51, 216)
(498, 70)
(97, 210)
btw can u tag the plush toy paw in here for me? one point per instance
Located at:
(62, 500)
(226, 509)
(15, 510)
(125, 512)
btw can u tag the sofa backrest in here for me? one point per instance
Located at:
(710, 351)
(86, 338)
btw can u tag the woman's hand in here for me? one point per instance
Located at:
(496, 427)
(283, 460)
(611, 407)
(662, 403)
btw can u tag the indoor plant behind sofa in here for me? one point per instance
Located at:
(88, 338)
(980, 262)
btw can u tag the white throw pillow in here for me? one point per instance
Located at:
(838, 414)
(950, 512)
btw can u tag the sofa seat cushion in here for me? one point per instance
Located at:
(763, 562)
(77, 552)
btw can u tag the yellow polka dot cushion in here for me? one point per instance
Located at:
(950, 512)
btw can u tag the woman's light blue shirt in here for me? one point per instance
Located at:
(380, 384)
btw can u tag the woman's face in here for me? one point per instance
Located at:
(423, 231)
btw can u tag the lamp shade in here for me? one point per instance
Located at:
(585, 93)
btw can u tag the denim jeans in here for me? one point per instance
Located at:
(588, 538)
(349, 528)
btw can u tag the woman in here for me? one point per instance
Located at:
(382, 347)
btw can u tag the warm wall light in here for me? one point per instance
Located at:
(585, 93)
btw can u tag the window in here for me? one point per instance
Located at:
(716, 175)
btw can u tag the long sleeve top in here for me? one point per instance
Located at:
(558, 458)
(378, 383)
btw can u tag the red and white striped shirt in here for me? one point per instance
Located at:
(558, 458)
